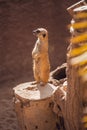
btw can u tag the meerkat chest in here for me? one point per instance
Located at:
(40, 49)
(37, 47)
(42, 46)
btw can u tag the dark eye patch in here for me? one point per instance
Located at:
(44, 35)
(38, 31)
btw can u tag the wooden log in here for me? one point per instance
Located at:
(60, 72)
(71, 104)
(58, 76)
(74, 98)
(33, 105)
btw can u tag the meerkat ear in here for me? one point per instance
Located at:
(44, 35)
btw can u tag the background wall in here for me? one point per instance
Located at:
(18, 18)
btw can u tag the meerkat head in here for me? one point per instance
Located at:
(40, 33)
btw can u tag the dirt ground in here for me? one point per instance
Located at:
(8, 119)
(18, 18)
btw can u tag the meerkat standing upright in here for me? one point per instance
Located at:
(41, 65)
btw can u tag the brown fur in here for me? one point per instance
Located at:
(41, 66)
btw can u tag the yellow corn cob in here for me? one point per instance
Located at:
(79, 25)
(80, 38)
(81, 15)
(78, 51)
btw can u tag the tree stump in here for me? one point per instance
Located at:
(33, 105)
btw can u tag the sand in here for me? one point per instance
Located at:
(8, 120)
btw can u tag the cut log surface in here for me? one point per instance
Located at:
(34, 92)
(33, 105)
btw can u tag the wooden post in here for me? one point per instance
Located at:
(75, 63)
(71, 104)
(33, 105)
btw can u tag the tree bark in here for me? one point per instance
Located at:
(33, 105)
(74, 99)
(73, 102)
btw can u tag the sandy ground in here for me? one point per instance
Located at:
(8, 120)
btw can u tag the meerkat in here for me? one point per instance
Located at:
(41, 65)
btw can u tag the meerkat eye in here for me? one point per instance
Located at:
(38, 31)
(44, 35)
